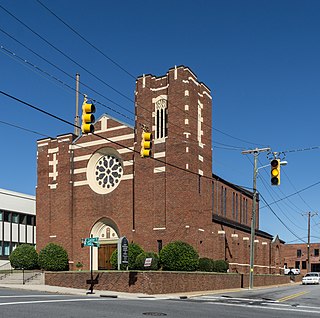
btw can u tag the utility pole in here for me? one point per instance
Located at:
(310, 215)
(255, 153)
(76, 119)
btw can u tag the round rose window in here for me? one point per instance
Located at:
(104, 170)
(108, 171)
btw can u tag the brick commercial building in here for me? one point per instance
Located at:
(98, 184)
(296, 256)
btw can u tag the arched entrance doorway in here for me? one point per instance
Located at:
(107, 232)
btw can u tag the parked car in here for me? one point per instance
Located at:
(311, 278)
(291, 271)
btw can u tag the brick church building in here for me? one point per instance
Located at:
(98, 184)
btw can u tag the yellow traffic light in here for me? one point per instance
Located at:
(146, 144)
(87, 118)
(275, 172)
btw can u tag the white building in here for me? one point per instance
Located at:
(17, 222)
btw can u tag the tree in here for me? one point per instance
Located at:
(220, 266)
(133, 251)
(179, 256)
(206, 264)
(53, 257)
(141, 258)
(24, 256)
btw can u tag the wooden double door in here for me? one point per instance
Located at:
(105, 251)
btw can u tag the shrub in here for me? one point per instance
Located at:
(53, 257)
(141, 258)
(24, 256)
(206, 264)
(133, 251)
(220, 266)
(179, 256)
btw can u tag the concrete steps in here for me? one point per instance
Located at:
(18, 278)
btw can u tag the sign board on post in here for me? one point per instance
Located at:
(148, 262)
(123, 248)
(91, 241)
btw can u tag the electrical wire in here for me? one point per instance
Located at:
(46, 73)
(100, 136)
(119, 144)
(66, 56)
(52, 77)
(283, 223)
(122, 68)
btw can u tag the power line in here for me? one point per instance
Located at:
(292, 194)
(61, 52)
(100, 136)
(84, 39)
(25, 129)
(121, 67)
(65, 55)
(301, 150)
(22, 60)
(268, 205)
(119, 144)
(62, 70)
(40, 70)
(279, 188)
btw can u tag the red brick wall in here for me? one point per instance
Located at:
(160, 282)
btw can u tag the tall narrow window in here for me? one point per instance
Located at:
(233, 205)
(241, 212)
(159, 245)
(247, 211)
(161, 118)
(221, 200)
(225, 202)
(244, 210)
(299, 253)
(212, 197)
(6, 248)
(237, 207)
(7, 216)
(15, 218)
(158, 124)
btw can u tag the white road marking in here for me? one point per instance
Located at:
(50, 301)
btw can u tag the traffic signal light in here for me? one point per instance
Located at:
(275, 172)
(87, 118)
(146, 144)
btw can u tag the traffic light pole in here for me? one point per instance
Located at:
(255, 153)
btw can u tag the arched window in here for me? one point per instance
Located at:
(161, 119)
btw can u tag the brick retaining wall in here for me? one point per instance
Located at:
(160, 282)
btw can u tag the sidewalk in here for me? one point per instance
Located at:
(116, 294)
(99, 293)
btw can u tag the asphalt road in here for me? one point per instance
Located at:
(290, 301)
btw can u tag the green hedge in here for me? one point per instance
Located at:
(179, 256)
(220, 266)
(53, 257)
(24, 256)
(206, 264)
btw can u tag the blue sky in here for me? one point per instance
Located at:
(259, 58)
